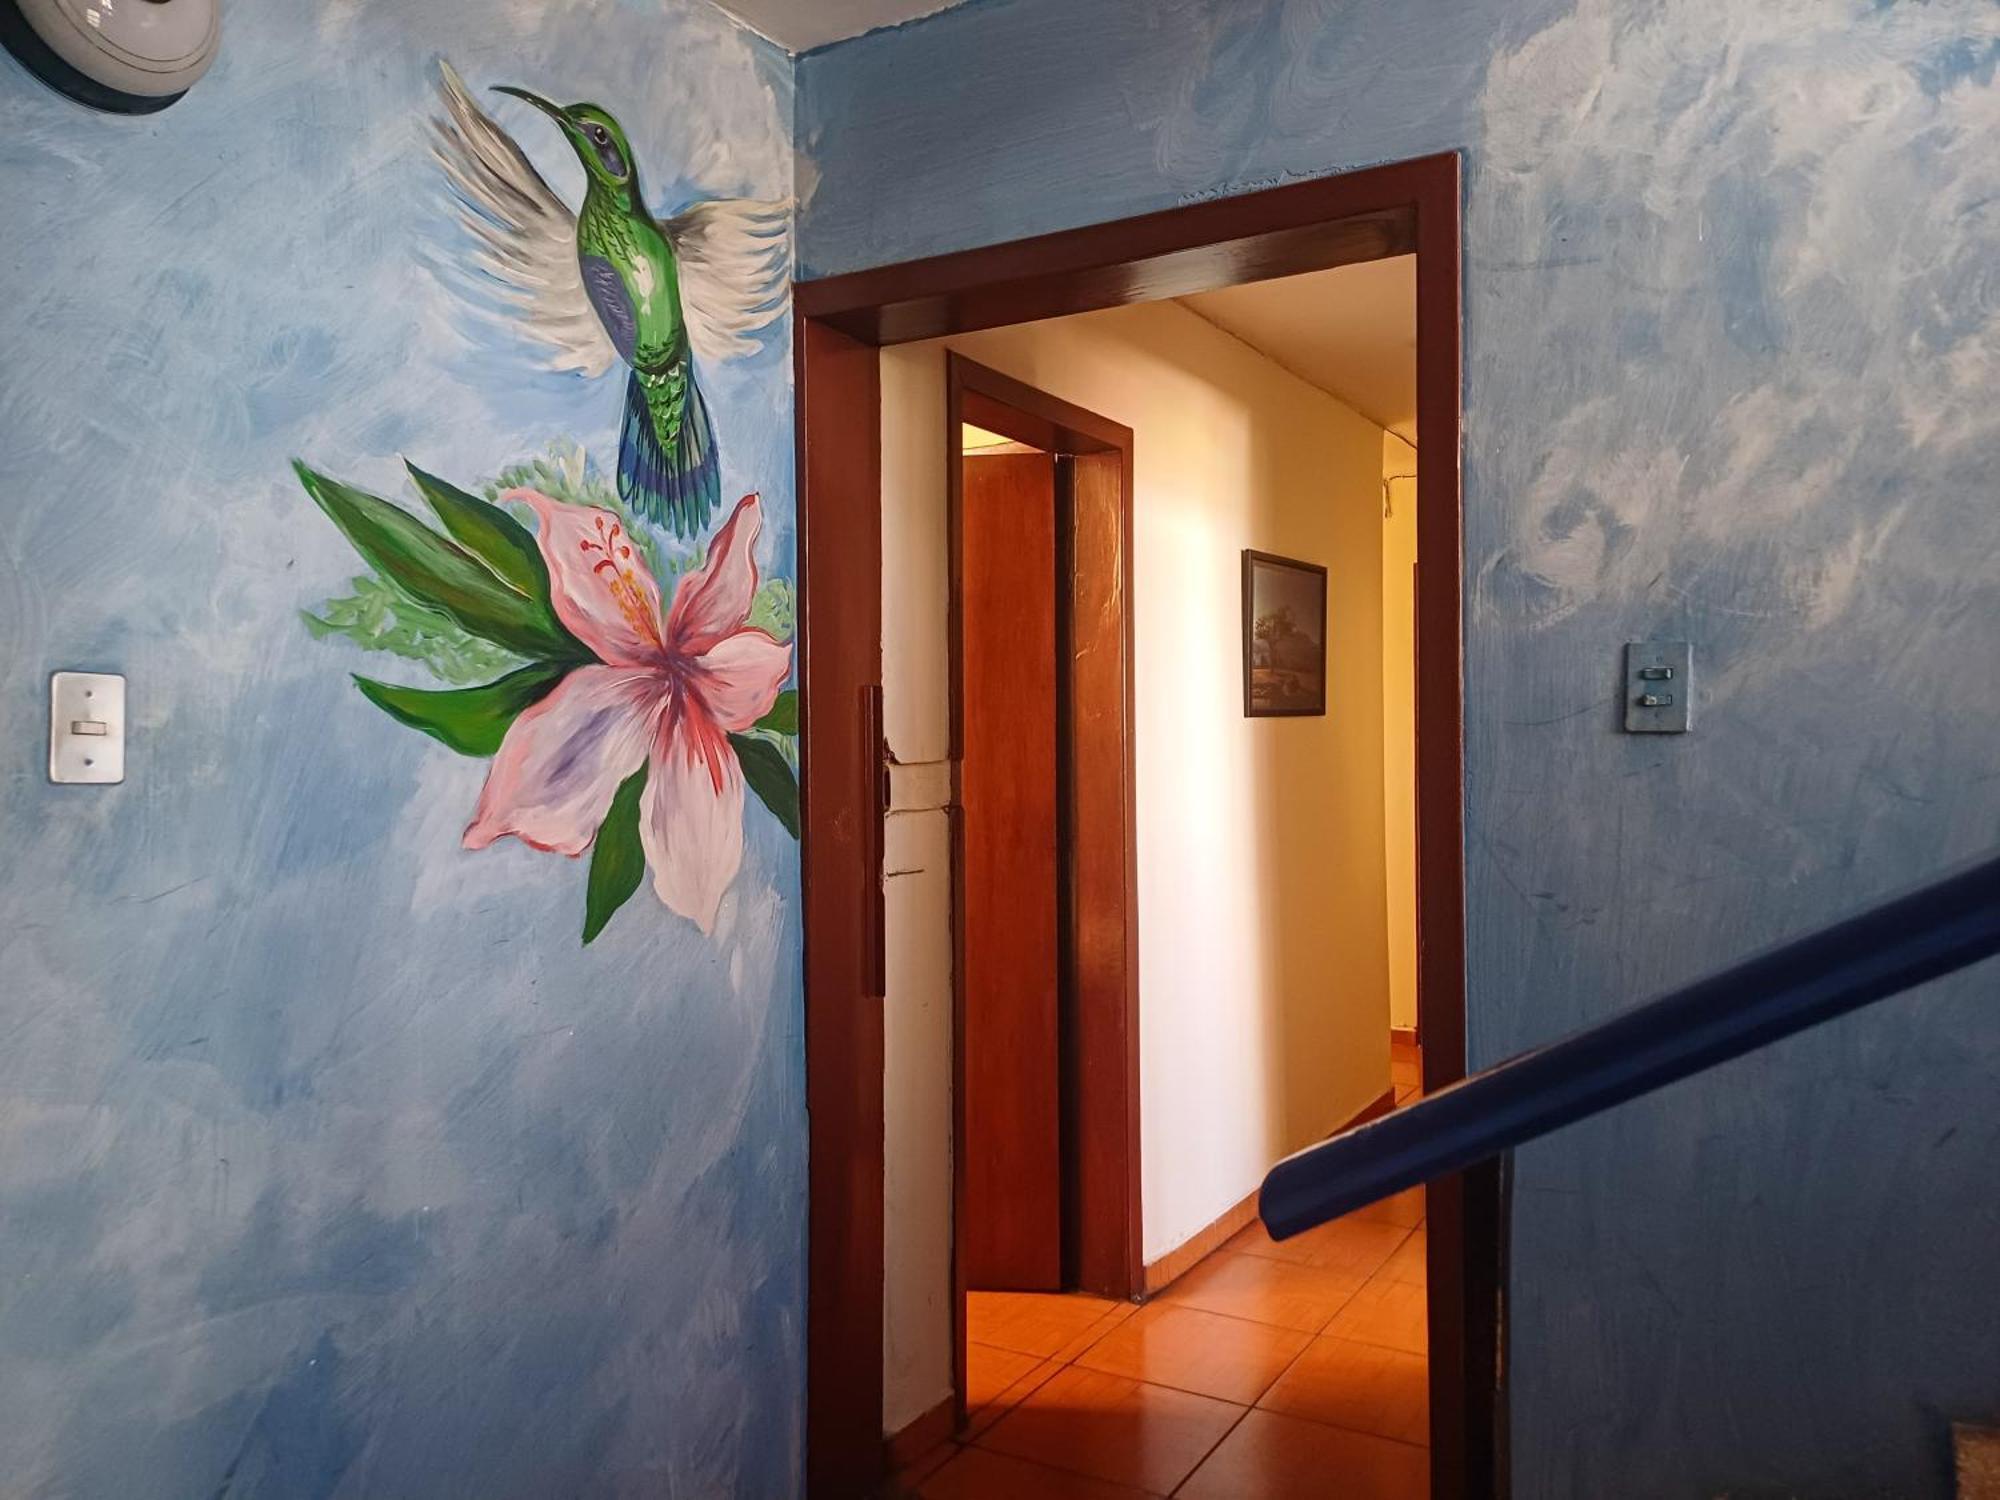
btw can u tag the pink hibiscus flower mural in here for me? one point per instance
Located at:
(613, 725)
(666, 692)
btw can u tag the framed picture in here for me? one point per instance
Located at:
(1284, 636)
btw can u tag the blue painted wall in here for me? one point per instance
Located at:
(331, 1164)
(1732, 355)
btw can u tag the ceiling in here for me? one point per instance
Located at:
(1351, 331)
(977, 442)
(799, 25)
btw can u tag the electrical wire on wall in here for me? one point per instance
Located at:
(1388, 509)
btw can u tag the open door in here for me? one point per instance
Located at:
(1045, 1063)
(1011, 1231)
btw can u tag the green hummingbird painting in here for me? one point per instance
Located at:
(610, 284)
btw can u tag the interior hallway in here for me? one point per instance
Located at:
(1264, 1373)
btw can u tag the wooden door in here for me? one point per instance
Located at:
(1010, 1224)
(1099, 1047)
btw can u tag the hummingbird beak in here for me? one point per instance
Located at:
(553, 111)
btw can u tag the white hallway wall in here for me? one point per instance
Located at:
(1262, 924)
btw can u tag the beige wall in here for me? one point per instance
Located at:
(1262, 920)
(1399, 721)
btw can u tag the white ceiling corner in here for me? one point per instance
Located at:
(1351, 331)
(800, 25)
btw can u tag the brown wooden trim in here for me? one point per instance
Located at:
(918, 1438)
(1204, 1242)
(1301, 227)
(1100, 957)
(1013, 408)
(1404, 1036)
(1464, 1248)
(1283, 231)
(954, 417)
(840, 634)
(1382, 1104)
(1176, 1263)
(955, 815)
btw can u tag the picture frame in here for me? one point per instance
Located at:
(1284, 637)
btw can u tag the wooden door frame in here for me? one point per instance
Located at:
(1403, 208)
(1099, 945)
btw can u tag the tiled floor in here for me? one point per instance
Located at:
(1270, 1371)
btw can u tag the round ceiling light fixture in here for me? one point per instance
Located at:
(127, 56)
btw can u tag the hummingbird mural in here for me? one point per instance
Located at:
(610, 284)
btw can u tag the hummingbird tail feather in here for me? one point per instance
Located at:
(677, 487)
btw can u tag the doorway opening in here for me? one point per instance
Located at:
(844, 321)
(1262, 636)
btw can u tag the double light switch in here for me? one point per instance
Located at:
(1657, 689)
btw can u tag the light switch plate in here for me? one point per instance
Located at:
(1659, 691)
(86, 727)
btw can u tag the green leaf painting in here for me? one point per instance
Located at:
(784, 715)
(439, 573)
(772, 611)
(378, 616)
(481, 603)
(617, 859)
(766, 773)
(472, 720)
(488, 533)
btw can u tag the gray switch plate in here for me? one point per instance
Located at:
(86, 727)
(1659, 692)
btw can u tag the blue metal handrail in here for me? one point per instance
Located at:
(1930, 932)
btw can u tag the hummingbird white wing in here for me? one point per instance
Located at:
(735, 256)
(526, 234)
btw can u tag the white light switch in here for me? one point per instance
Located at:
(86, 726)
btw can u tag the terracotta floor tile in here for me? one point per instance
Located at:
(1362, 1387)
(1273, 1457)
(1110, 1427)
(989, 1371)
(1405, 1070)
(977, 1474)
(1410, 1260)
(1406, 1208)
(1073, 1397)
(1253, 1240)
(1034, 1323)
(1389, 1313)
(1197, 1351)
(978, 1419)
(911, 1477)
(1088, 1338)
(1277, 1292)
(1360, 1247)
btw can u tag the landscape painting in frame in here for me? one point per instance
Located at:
(1284, 636)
